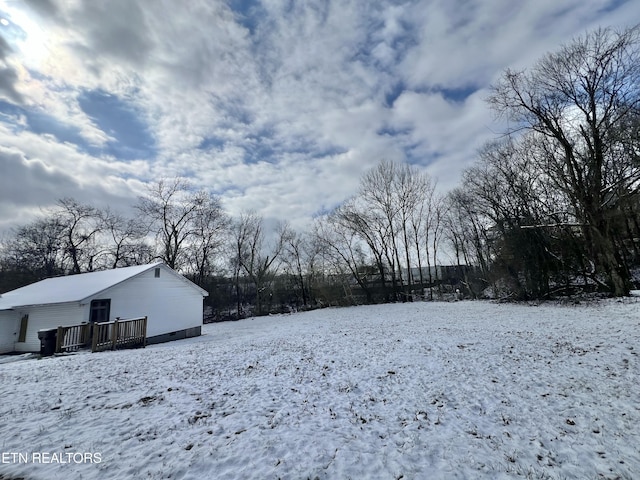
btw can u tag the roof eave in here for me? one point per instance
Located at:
(32, 305)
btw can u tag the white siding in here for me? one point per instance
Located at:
(169, 302)
(9, 329)
(47, 316)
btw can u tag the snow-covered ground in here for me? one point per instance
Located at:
(422, 390)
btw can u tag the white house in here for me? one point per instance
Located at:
(172, 304)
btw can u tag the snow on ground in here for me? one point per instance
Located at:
(422, 390)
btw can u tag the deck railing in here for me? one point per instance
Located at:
(70, 339)
(119, 334)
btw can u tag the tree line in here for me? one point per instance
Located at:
(550, 208)
(555, 203)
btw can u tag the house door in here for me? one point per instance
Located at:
(99, 310)
(98, 313)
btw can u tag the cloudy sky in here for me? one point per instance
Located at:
(275, 105)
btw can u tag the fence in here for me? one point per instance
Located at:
(119, 334)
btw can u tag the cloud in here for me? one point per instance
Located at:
(30, 183)
(37, 171)
(8, 81)
(115, 29)
(5, 49)
(26, 185)
(8, 75)
(278, 106)
(47, 8)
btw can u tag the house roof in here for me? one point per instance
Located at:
(74, 288)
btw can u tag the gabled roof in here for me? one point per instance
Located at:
(75, 288)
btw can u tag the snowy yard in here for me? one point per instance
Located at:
(412, 391)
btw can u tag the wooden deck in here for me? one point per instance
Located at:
(116, 334)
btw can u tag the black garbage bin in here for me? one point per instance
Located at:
(47, 341)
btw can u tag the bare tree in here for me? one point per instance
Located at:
(373, 231)
(466, 232)
(469, 228)
(125, 240)
(254, 256)
(394, 218)
(505, 186)
(36, 248)
(169, 209)
(298, 257)
(65, 239)
(411, 190)
(377, 189)
(342, 248)
(577, 99)
(437, 212)
(210, 226)
(81, 226)
(420, 221)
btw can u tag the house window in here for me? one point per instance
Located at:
(22, 336)
(157, 273)
(100, 310)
